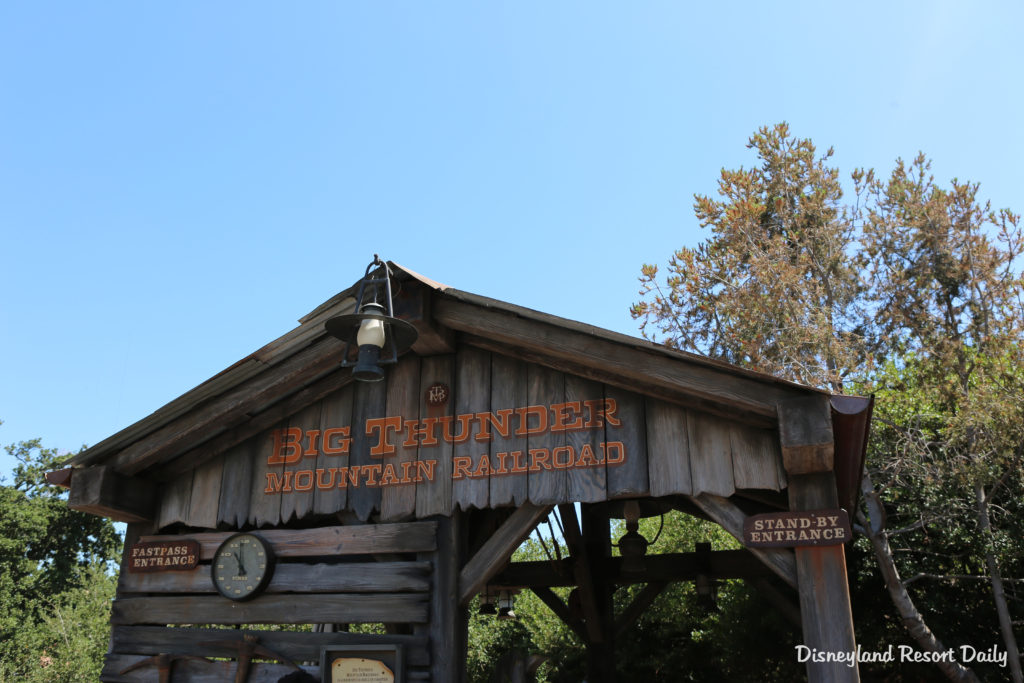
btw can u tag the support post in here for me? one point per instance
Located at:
(805, 431)
(596, 539)
(448, 619)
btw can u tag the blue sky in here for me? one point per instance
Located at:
(179, 182)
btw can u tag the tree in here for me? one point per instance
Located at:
(913, 289)
(56, 568)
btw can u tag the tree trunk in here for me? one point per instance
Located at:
(913, 620)
(996, 579)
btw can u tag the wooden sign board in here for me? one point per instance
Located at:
(163, 556)
(793, 529)
(361, 664)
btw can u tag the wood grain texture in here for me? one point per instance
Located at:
(406, 537)
(175, 499)
(668, 449)
(629, 478)
(205, 498)
(756, 458)
(298, 646)
(399, 502)
(585, 484)
(369, 401)
(472, 395)
(434, 497)
(620, 361)
(352, 577)
(546, 484)
(299, 503)
(236, 485)
(509, 389)
(291, 608)
(335, 413)
(264, 508)
(710, 455)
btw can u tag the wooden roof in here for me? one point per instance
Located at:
(301, 368)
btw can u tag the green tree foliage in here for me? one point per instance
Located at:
(913, 291)
(55, 577)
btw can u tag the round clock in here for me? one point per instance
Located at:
(242, 566)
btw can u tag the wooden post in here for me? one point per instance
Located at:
(805, 433)
(448, 620)
(600, 655)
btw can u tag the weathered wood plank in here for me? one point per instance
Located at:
(352, 577)
(299, 646)
(622, 361)
(710, 455)
(398, 502)
(174, 501)
(406, 537)
(755, 458)
(265, 508)
(434, 495)
(254, 425)
(509, 390)
(547, 485)
(668, 449)
(585, 484)
(368, 402)
(472, 395)
(629, 477)
(236, 484)
(299, 502)
(194, 671)
(336, 414)
(494, 553)
(205, 498)
(806, 436)
(291, 608)
(100, 490)
(448, 619)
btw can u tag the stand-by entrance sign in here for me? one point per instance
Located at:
(794, 529)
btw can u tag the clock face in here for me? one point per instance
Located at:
(242, 566)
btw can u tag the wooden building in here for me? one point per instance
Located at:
(397, 502)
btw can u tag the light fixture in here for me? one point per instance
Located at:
(505, 605)
(632, 545)
(487, 604)
(374, 327)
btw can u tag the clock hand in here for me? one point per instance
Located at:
(241, 567)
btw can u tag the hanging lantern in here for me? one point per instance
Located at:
(487, 604)
(505, 605)
(632, 545)
(378, 335)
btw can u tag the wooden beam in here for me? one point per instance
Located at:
(259, 422)
(639, 605)
(494, 554)
(102, 491)
(404, 537)
(823, 587)
(624, 360)
(726, 514)
(151, 640)
(273, 609)
(805, 433)
(722, 564)
(555, 604)
(581, 569)
(230, 409)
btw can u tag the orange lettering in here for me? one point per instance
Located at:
(421, 433)
(500, 421)
(343, 443)
(382, 425)
(425, 470)
(539, 457)
(313, 435)
(460, 466)
(567, 417)
(483, 468)
(602, 410)
(463, 428)
(614, 452)
(540, 412)
(289, 439)
(307, 484)
(562, 450)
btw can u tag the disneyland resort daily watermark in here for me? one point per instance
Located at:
(904, 654)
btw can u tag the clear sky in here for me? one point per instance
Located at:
(179, 182)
